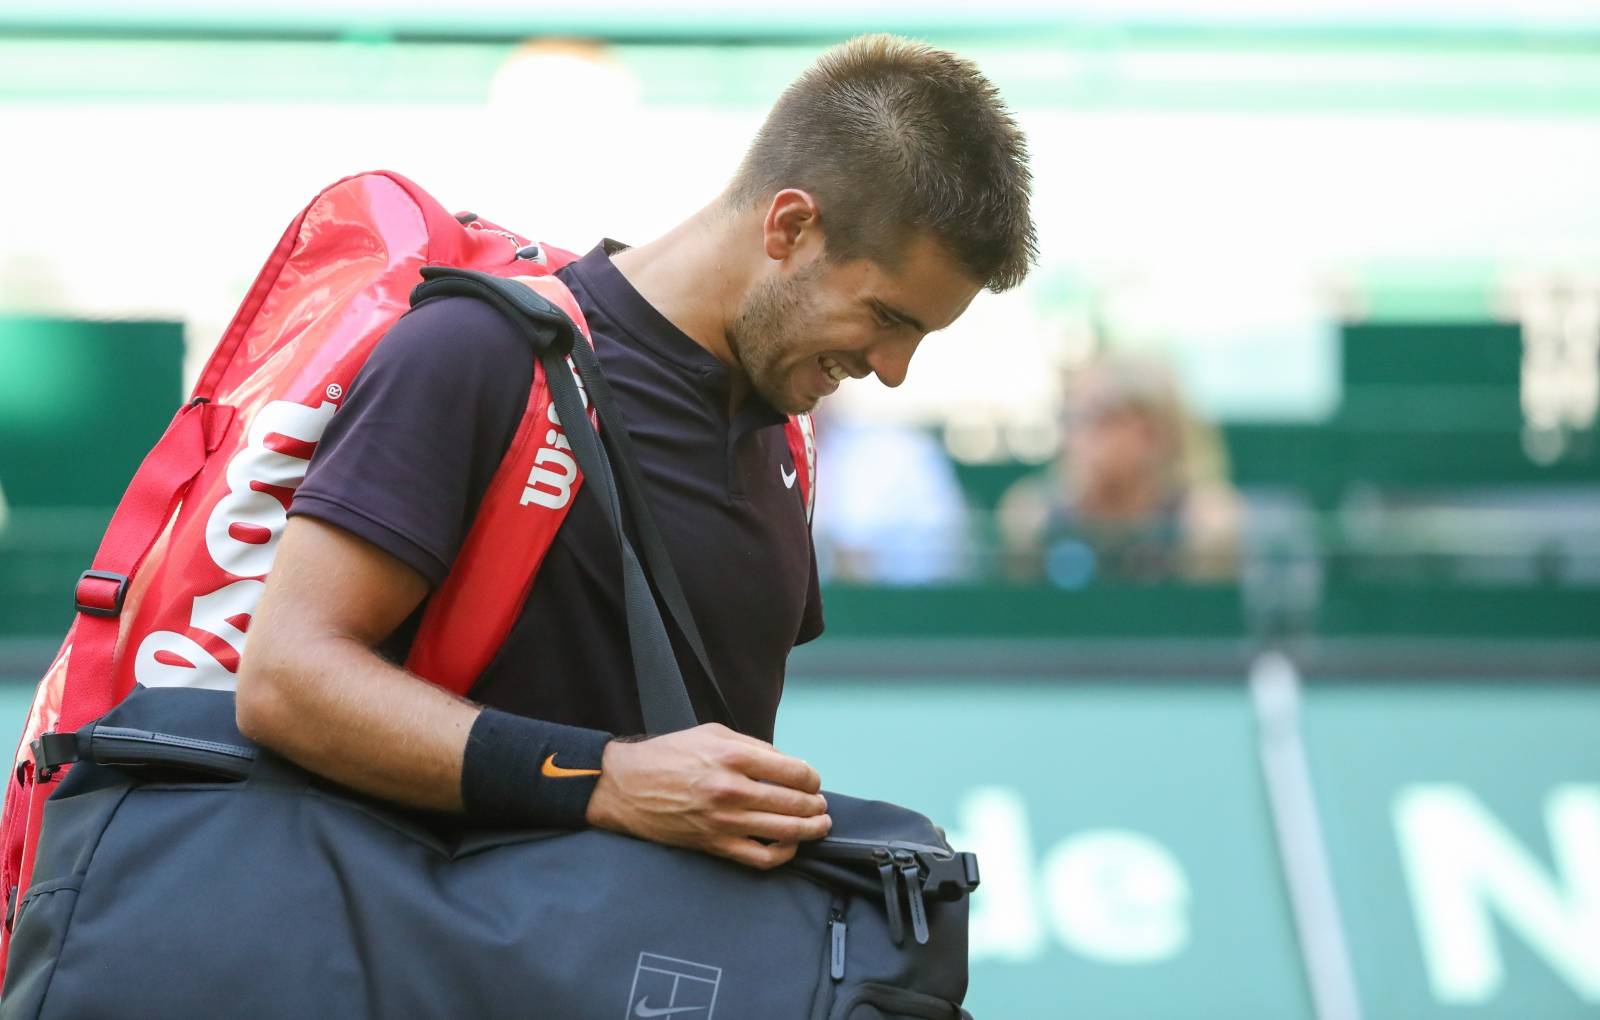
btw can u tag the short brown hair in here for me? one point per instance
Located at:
(891, 137)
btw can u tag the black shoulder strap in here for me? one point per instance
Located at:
(614, 434)
(663, 698)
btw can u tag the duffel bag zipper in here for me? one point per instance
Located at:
(843, 846)
(833, 958)
(920, 870)
(912, 873)
(837, 931)
(883, 857)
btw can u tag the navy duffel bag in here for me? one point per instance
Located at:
(184, 872)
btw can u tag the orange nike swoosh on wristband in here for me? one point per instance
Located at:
(554, 771)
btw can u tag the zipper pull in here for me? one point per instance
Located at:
(891, 894)
(913, 879)
(836, 935)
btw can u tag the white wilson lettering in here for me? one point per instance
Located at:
(242, 532)
(211, 615)
(242, 537)
(554, 471)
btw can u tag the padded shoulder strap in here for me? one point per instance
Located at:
(495, 570)
(472, 613)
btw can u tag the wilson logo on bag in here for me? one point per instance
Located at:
(554, 471)
(241, 537)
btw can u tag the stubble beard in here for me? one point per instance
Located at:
(770, 325)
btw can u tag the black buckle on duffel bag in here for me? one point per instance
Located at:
(949, 878)
(908, 875)
(51, 751)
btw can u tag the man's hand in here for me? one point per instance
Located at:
(711, 789)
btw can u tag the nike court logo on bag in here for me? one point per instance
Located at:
(554, 771)
(788, 476)
(640, 1009)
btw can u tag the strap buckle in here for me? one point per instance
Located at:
(950, 878)
(51, 751)
(90, 601)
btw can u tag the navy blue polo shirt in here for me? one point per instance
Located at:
(409, 455)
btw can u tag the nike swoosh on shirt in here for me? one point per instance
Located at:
(641, 1010)
(554, 771)
(788, 476)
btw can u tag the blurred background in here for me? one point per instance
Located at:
(1231, 588)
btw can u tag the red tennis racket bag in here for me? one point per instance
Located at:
(183, 563)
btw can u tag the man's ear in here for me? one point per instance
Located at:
(793, 225)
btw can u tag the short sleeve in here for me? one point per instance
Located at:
(408, 456)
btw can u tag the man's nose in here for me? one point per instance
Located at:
(891, 361)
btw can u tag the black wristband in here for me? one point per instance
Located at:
(522, 771)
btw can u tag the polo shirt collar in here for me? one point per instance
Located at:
(654, 331)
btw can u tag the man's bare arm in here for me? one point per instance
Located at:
(312, 688)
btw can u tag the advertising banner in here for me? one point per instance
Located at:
(1130, 860)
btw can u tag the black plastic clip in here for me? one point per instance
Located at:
(99, 608)
(950, 878)
(51, 751)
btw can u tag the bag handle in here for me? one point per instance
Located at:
(663, 697)
(124, 745)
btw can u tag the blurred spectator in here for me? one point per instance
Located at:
(1139, 491)
(889, 508)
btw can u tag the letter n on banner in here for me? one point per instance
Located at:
(1462, 864)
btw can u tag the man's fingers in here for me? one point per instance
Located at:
(778, 828)
(756, 758)
(749, 795)
(776, 767)
(752, 854)
(714, 790)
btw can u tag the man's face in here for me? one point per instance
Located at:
(801, 330)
